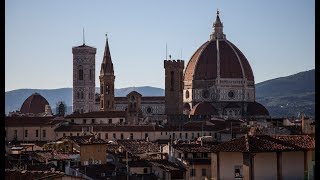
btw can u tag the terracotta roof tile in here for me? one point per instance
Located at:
(30, 121)
(139, 146)
(98, 114)
(203, 108)
(265, 143)
(84, 140)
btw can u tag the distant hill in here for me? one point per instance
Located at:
(287, 96)
(284, 96)
(15, 98)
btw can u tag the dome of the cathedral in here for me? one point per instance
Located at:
(203, 108)
(34, 104)
(256, 109)
(218, 57)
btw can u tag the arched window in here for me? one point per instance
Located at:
(101, 104)
(101, 88)
(171, 80)
(107, 89)
(80, 74)
(90, 74)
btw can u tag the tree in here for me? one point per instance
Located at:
(61, 108)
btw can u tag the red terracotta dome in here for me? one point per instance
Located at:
(34, 104)
(256, 109)
(203, 108)
(218, 57)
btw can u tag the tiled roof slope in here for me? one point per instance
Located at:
(99, 114)
(265, 143)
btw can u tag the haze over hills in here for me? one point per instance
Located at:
(283, 96)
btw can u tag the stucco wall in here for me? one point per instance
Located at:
(265, 166)
(93, 151)
(292, 165)
(227, 163)
(49, 133)
(198, 169)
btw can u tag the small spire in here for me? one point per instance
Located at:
(107, 65)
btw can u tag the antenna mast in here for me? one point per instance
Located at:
(166, 52)
(83, 36)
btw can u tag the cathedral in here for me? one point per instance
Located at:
(217, 82)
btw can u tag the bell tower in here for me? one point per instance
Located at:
(173, 86)
(83, 90)
(106, 81)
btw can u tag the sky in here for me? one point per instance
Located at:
(277, 37)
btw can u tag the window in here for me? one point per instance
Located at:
(107, 89)
(101, 104)
(145, 170)
(179, 155)
(106, 136)
(80, 74)
(71, 134)
(204, 172)
(99, 135)
(114, 135)
(198, 134)
(149, 110)
(161, 133)
(180, 135)
(72, 120)
(121, 121)
(192, 136)
(171, 80)
(237, 171)
(193, 172)
(101, 88)
(44, 133)
(84, 121)
(131, 135)
(205, 155)
(25, 133)
(64, 134)
(77, 134)
(173, 135)
(15, 134)
(185, 155)
(187, 94)
(93, 121)
(37, 133)
(186, 135)
(90, 74)
(110, 121)
(121, 136)
(145, 135)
